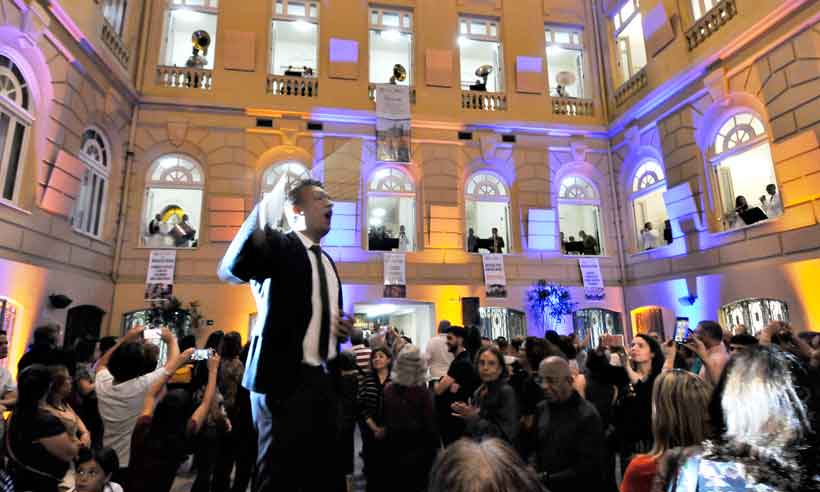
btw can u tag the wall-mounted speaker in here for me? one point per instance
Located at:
(465, 135)
(315, 126)
(264, 123)
(508, 138)
(469, 311)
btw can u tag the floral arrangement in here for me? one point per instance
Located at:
(548, 303)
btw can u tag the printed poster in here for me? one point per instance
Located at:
(495, 280)
(395, 284)
(393, 123)
(159, 281)
(593, 281)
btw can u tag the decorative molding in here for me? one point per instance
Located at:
(240, 51)
(177, 132)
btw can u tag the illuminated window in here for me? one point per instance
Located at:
(579, 217)
(629, 41)
(295, 38)
(479, 44)
(182, 19)
(89, 209)
(292, 173)
(596, 323)
(565, 61)
(744, 172)
(8, 318)
(700, 7)
(15, 123)
(649, 207)
(391, 211)
(754, 314)
(173, 203)
(487, 204)
(391, 43)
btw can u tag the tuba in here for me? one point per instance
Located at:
(200, 40)
(399, 73)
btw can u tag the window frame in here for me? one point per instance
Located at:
(97, 208)
(505, 198)
(701, 5)
(380, 27)
(574, 33)
(211, 9)
(618, 28)
(416, 246)
(490, 23)
(634, 195)
(159, 184)
(596, 201)
(19, 112)
(285, 16)
(115, 10)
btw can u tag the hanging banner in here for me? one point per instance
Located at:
(395, 284)
(495, 280)
(593, 281)
(159, 281)
(392, 123)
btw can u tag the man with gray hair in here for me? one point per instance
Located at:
(569, 435)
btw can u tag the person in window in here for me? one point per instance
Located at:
(404, 241)
(497, 242)
(667, 231)
(648, 237)
(153, 226)
(771, 203)
(187, 234)
(472, 241)
(590, 244)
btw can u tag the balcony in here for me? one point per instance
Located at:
(371, 93)
(483, 101)
(713, 20)
(284, 85)
(114, 43)
(571, 106)
(631, 87)
(185, 77)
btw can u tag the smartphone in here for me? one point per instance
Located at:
(152, 334)
(616, 341)
(201, 354)
(682, 330)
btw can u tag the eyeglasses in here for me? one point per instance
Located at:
(87, 473)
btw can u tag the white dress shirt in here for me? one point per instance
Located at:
(648, 239)
(438, 356)
(310, 345)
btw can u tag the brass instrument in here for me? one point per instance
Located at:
(483, 71)
(201, 41)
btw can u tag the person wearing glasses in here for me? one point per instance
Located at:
(94, 470)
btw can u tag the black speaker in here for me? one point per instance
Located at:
(469, 311)
(264, 122)
(508, 138)
(465, 135)
(315, 126)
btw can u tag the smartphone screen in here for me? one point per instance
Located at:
(682, 330)
(152, 334)
(201, 354)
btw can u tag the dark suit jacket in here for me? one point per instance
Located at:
(278, 269)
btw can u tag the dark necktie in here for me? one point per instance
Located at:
(324, 332)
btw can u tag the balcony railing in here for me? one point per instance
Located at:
(571, 106)
(371, 93)
(713, 20)
(115, 45)
(283, 85)
(631, 87)
(185, 77)
(483, 101)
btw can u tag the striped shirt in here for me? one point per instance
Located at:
(362, 357)
(369, 399)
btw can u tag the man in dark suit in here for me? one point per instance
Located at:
(291, 369)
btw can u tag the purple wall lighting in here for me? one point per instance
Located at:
(344, 51)
(529, 64)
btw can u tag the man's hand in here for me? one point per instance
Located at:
(463, 410)
(85, 441)
(166, 335)
(697, 347)
(378, 433)
(213, 362)
(670, 349)
(454, 388)
(344, 327)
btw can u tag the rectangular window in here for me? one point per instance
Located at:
(631, 56)
(295, 38)
(565, 61)
(391, 43)
(183, 19)
(8, 316)
(482, 64)
(88, 209)
(114, 14)
(700, 7)
(12, 169)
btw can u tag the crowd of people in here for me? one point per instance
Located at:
(716, 413)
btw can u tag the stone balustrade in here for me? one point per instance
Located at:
(483, 101)
(115, 44)
(284, 85)
(631, 87)
(571, 106)
(711, 21)
(185, 77)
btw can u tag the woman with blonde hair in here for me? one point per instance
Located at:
(765, 441)
(680, 403)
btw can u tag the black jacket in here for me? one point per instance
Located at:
(278, 269)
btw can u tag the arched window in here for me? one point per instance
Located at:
(391, 211)
(182, 19)
(89, 209)
(596, 323)
(487, 204)
(579, 217)
(173, 203)
(649, 207)
(744, 172)
(292, 173)
(754, 314)
(15, 123)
